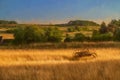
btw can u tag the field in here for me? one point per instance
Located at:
(54, 61)
(59, 40)
(53, 64)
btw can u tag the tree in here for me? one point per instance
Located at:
(79, 37)
(114, 22)
(28, 35)
(68, 38)
(19, 35)
(113, 25)
(34, 34)
(97, 36)
(103, 28)
(117, 35)
(53, 34)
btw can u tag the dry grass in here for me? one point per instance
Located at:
(35, 55)
(101, 70)
(34, 64)
(7, 36)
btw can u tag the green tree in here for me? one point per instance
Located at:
(68, 38)
(103, 28)
(53, 34)
(117, 35)
(34, 34)
(113, 25)
(19, 35)
(28, 34)
(96, 36)
(79, 37)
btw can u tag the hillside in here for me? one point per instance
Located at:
(79, 23)
(82, 23)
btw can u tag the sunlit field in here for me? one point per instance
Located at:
(54, 64)
(19, 56)
(55, 61)
(7, 36)
(59, 40)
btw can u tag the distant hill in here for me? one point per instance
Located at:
(82, 23)
(7, 22)
(79, 23)
(70, 23)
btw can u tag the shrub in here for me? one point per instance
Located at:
(71, 29)
(53, 34)
(28, 34)
(79, 37)
(87, 38)
(117, 34)
(77, 28)
(10, 31)
(68, 38)
(96, 36)
(107, 37)
(34, 34)
(112, 28)
(19, 35)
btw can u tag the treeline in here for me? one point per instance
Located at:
(32, 34)
(110, 32)
(7, 22)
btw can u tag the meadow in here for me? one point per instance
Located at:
(54, 64)
(54, 61)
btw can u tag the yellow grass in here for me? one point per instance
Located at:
(52, 64)
(7, 36)
(60, 55)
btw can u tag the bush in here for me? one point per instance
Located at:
(96, 36)
(10, 31)
(77, 28)
(68, 38)
(71, 29)
(53, 34)
(117, 34)
(28, 34)
(19, 35)
(79, 37)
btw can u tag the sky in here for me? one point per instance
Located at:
(59, 11)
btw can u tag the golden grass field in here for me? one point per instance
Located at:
(7, 36)
(53, 64)
(43, 62)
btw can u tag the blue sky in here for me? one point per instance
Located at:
(59, 11)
